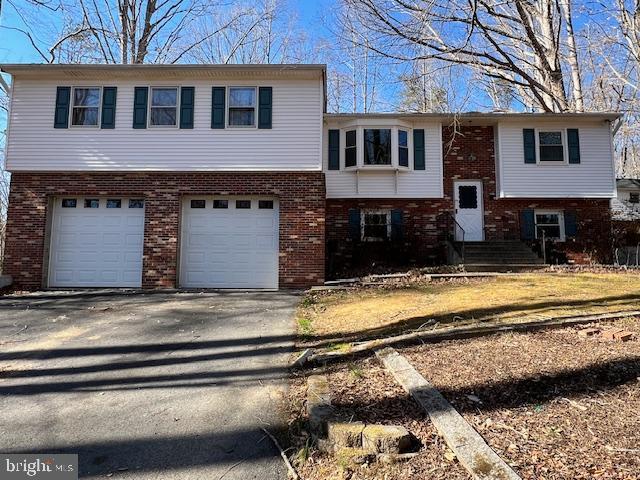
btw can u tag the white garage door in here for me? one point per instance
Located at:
(96, 242)
(229, 243)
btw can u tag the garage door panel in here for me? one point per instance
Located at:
(97, 247)
(112, 239)
(229, 248)
(111, 221)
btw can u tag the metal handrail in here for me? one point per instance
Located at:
(457, 225)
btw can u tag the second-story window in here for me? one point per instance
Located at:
(86, 107)
(164, 107)
(377, 146)
(551, 148)
(403, 148)
(242, 106)
(350, 149)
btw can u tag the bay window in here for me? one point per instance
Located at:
(350, 150)
(377, 146)
(403, 148)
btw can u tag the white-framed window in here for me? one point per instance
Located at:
(375, 225)
(376, 147)
(85, 111)
(551, 222)
(242, 107)
(551, 146)
(350, 148)
(403, 148)
(163, 107)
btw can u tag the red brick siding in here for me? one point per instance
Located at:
(469, 155)
(302, 214)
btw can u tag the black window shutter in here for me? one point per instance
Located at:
(334, 149)
(217, 107)
(573, 142)
(265, 100)
(108, 119)
(140, 98)
(354, 224)
(397, 223)
(418, 149)
(570, 223)
(527, 224)
(61, 116)
(186, 107)
(529, 142)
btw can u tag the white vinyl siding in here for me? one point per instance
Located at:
(593, 177)
(293, 142)
(406, 183)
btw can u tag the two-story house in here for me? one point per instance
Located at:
(223, 176)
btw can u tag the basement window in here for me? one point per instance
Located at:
(549, 223)
(634, 197)
(375, 225)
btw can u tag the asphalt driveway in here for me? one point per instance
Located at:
(147, 385)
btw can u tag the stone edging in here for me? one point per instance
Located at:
(470, 448)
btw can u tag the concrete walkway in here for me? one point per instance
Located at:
(142, 386)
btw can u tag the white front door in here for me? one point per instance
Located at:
(96, 242)
(229, 242)
(469, 210)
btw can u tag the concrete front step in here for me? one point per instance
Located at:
(503, 267)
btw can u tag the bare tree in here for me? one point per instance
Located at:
(521, 42)
(425, 90)
(118, 31)
(250, 32)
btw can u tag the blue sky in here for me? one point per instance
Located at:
(15, 47)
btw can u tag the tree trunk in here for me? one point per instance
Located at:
(572, 58)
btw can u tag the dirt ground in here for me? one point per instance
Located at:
(553, 404)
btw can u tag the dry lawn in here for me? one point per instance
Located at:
(373, 312)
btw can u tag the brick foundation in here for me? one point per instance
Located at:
(426, 223)
(302, 214)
